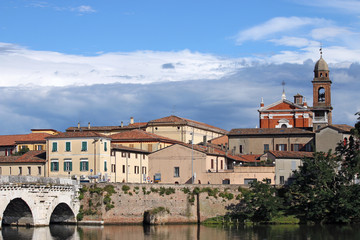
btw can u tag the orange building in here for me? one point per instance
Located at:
(297, 114)
(286, 114)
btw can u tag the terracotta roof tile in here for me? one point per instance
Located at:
(29, 157)
(344, 128)
(120, 147)
(291, 154)
(140, 135)
(174, 120)
(268, 131)
(77, 135)
(11, 140)
(108, 128)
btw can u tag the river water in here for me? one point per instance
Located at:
(183, 232)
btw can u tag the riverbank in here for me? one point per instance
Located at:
(160, 203)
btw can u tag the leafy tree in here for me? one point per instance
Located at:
(21, 152)
(324, 189)
(260, 203)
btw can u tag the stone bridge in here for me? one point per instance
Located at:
(38, 201)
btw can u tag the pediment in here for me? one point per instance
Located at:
(282, 105)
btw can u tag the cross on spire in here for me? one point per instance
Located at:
(320, 50)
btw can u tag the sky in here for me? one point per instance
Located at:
(69, 61)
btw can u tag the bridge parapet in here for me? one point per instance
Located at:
(44, 199)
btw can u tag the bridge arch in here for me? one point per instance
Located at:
(62, 213)
(17, 212)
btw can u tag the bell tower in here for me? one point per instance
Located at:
(322, 108)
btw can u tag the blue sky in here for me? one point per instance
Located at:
(62, 62)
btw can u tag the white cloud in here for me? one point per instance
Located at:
(352, 6)
(293, 41)
(276, 25)
(22, 66)
(84, 9)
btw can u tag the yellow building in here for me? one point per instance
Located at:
(129, 164)
(80, 155)
(31, 163)
(184, 130)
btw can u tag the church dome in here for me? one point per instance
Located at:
(321, 65)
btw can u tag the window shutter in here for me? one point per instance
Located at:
(70, 166)
(64, 166)
(105, 146)
(277, 147)
(285, 147)
(52, 166)
(105, 166)
(292, 147)
(87, 166)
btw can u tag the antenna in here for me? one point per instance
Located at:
(283, 94)
(320, 50)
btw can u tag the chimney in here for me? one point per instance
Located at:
(122, 124)
(88, 125)
(262, 102)
(305, 103)
(132, 120)
(78, 125)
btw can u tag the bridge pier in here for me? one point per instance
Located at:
(29, 201)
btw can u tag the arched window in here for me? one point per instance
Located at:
(283, 126)
(321, 95)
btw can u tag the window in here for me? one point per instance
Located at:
(248, 181)
(136, 169)
(29, 170)
(296, 147)
(129, 155)
(143, 170)
(113, 169)
(20, 170)
(293, 165)
(54, 166)
(143, 156)
(131, 145)
(105, 166)
(105, 146)
(240, 149)
(321, 95)
(67, 165)
(123, 154)
(212, 163)
(39, 170)
(149, 148)
(266, 148)
(83, 146)
(68, 146)
(136, 155)
(221, 164)
(281, 147)
(84, 165)
(176, 171)
(123, 168)
(54, 146)
(39, 147)
(282, 180)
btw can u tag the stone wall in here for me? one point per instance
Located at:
(177, 203)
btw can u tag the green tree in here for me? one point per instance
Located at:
(260, 203)
(21, 152)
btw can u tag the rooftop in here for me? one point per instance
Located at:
(268, 131)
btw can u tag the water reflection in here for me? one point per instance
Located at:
(186, 232)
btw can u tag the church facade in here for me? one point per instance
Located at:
(297, 114)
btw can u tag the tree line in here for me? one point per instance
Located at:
(325, 189)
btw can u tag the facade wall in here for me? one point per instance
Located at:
(147, 146)
(32, 146)
(328, 139)
(137, 167)
(7, 150)
(284, 170)
(25, 169)
(255, 144)
(97, 156)
(183, 133)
